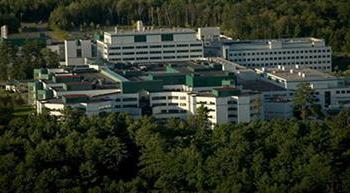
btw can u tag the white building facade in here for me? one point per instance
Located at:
(148, 45)
(305, 52)
(331, 92)
(77, 50)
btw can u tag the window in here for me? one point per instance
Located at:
(140, 38)
(169, 57)
(169, 46)
(114, 48)
(159, 104)
(79, 53)
(167, 37)
(129, 99)
(130, 106)
(156, 46)
(159, 98)
(173, 97)
(128, 47)
(140, 47)
(141, 52)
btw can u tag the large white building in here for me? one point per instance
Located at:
(305, 52)
(150, 45)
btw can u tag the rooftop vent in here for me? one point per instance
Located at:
(139, 26)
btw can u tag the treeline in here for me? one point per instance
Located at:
(114, 153)
(244, 19)
(18, 64)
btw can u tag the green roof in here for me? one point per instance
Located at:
(137, 86)
(226, 91)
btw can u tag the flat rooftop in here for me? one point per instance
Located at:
(287, 43)
(149, 31)
(282, 40)
(292, 74)
(260, 85)
(141, 71)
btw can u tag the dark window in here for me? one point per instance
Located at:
(167, 37)
(130, 106)
(156, 46)
(129, 99)
(169, 46)
(140, 38)
(79, 53)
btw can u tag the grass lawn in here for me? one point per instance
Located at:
(20, 111)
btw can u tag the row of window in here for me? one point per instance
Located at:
(169, 97)
(154, 52)
(125, 99)
(206, 103)
(169, 104)
(173, 111)
(281, 58)
(154, 58)
(287, 63)
(154, 46)
(343, 91)
(283, 52)
(125, 106)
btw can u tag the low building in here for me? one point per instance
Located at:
(331, 92)
(163, 90)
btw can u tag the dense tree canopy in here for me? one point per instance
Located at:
(19, 64)
(240, 18)
(114, 153)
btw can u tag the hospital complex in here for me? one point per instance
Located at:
(170, 73)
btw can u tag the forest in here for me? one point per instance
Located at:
(241, 19)
(18, 64)
(115, 153)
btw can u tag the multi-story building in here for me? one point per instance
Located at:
(161, 90)
(305, 52)
(331, 92)
(150, 45)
